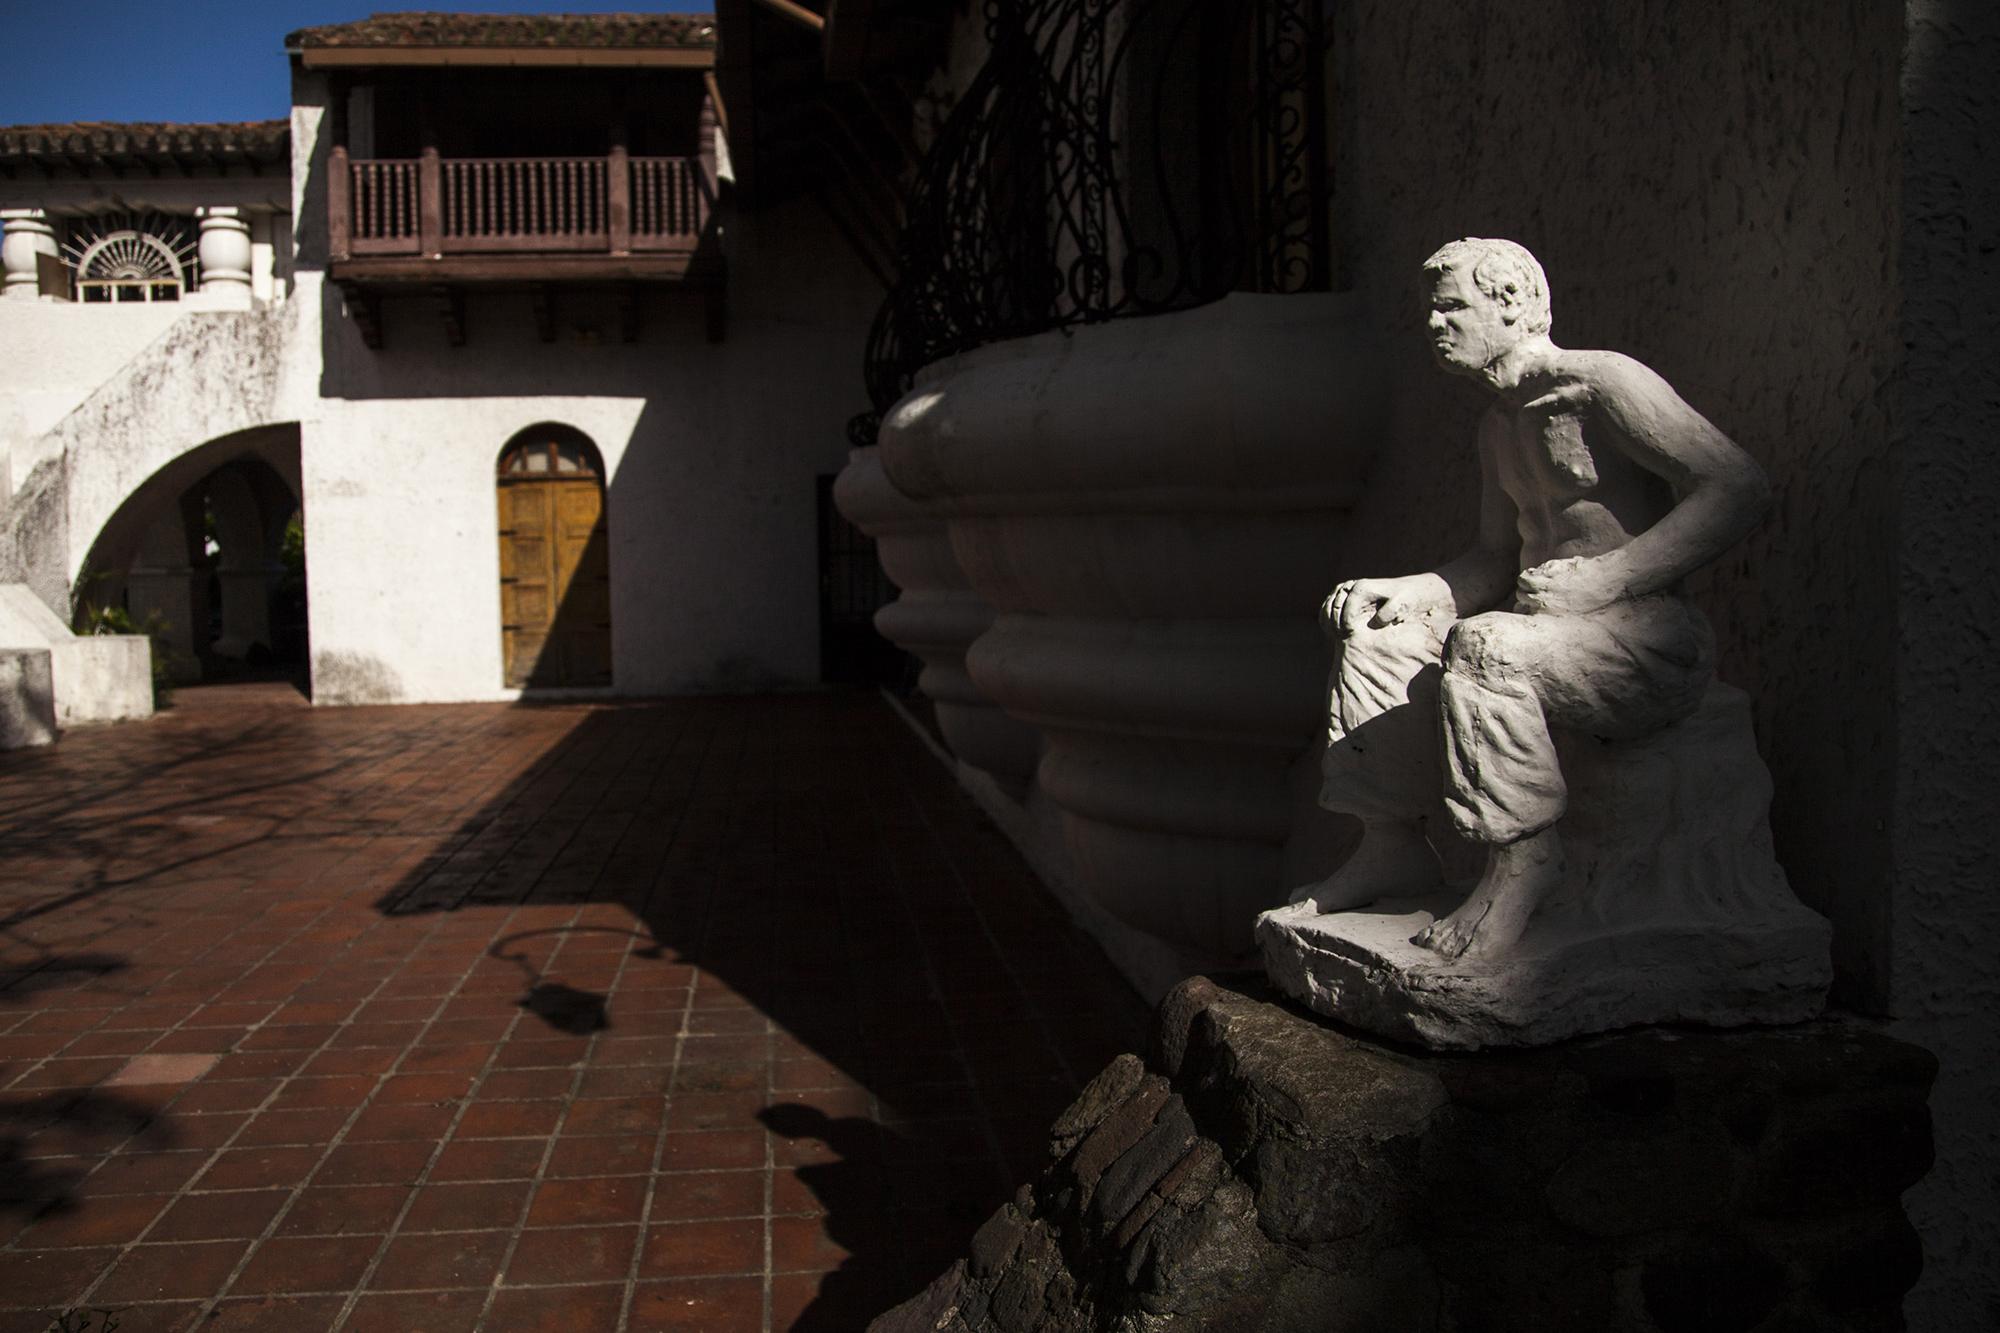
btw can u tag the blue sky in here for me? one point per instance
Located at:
(63, 60)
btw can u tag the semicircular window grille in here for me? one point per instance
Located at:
(546, 456)
(131, 257)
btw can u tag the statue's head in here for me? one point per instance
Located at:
(1486, 296)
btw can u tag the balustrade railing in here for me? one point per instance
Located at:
(526, 203)
(610, 205)
(670, 197)
(384, 207)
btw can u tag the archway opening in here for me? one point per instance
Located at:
(555, 561)
(207, 557)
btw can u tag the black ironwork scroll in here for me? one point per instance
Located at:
(1112, 158)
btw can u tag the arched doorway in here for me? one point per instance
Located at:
(555, 565)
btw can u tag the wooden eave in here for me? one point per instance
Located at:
(543, 57)
(683, 267)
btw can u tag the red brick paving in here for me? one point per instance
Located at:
(709, 1014)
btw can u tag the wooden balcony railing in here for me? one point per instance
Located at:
(432, 206)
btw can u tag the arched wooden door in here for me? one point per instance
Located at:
(555, 566)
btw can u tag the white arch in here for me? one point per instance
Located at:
(210, 380)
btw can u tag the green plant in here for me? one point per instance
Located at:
(292, 546)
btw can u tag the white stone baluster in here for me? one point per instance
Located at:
(28, 234)
(224, 251)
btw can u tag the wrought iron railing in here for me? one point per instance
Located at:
(1113, 158)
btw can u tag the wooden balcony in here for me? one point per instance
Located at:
(533, 219)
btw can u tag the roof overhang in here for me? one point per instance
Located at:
(543, 57)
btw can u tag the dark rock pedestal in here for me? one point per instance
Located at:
(1263, 1171)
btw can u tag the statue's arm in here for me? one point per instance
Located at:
(1720, 491)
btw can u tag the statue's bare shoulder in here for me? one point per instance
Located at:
(1612, 381)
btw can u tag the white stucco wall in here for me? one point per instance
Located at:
(712, 449)
(52, 355)
(209, 376)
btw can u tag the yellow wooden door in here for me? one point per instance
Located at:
(555, 586)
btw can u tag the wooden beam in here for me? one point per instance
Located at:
(737, 78)
(715, 100)
(430, 202)
(618, 189)
(339, 203)
(684, 267)
(798, 14)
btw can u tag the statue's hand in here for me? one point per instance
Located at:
(1569, 587)
(1377, 603)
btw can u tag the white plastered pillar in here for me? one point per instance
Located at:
(28, 235)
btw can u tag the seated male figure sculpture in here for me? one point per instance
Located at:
(1600, 490)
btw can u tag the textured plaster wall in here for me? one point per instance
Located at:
(210, 375)
(1946, 988)
(1712, 188)
(712, 448)
(54, 355)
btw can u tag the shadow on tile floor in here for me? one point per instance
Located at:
(855, 938)
(716, 1014)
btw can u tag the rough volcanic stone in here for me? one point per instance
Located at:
(1715, 1286)
(1126, 1181)
(1117, 1132)
(1113, 1084)
(995, 1241)
(1274, 1174)
(1627, 1187)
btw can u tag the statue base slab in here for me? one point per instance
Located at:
(1671, 908)
(1562, 980)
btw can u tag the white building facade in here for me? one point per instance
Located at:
(473, 240)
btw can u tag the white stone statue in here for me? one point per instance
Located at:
(1558, 654)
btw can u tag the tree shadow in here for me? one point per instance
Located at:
(921, 1007)
(41, 1185)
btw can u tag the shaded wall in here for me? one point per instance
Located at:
(1789, 212)
(1712, 188)
(1947, 848)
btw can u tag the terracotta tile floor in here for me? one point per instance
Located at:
(711, 1014)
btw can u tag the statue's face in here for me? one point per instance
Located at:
(1469, 329)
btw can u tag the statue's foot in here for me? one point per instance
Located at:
(1393, 860)
(1496, 913)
